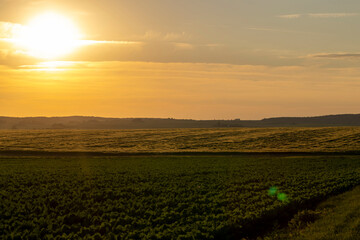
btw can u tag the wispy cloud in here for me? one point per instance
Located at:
(331, 15)
(335, 55)
(266, 29)
(91, 42)
(318, 15)
(9, 29)
(170, 36)
(184, 46)
(290, 16)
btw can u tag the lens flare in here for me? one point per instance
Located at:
(273, 191)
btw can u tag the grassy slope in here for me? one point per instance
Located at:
(342, 221)
(335, 139)
(336, 218)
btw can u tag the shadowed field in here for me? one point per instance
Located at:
(163, 197)
(334, 139)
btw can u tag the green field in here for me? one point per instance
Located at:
(335, 139)
(163, 197)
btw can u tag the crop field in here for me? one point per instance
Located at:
(334, 139)
(164, 197)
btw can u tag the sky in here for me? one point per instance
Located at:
(198, 59)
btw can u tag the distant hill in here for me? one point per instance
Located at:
(79, 122)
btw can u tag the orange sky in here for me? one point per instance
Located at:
(181, 60)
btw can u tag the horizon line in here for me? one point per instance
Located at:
(193, 119)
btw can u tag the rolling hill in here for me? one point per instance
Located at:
(82, 122)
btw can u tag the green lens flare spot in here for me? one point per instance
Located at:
(272, 191)
(282, 197)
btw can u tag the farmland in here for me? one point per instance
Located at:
(163, 197)
(223, 183)
(335, 139)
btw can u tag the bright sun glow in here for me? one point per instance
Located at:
(49, 36)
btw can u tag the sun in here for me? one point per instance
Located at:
(49, 36)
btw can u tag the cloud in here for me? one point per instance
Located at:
(265, 29)
(91, 42)
(14, 59)
(331, 15)
(335, 55)
(10, 56)
(184, 46)
(168, 37)
(9, 30)
(151, 46)
(180, 40)
(290, 16)
(318, 15)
